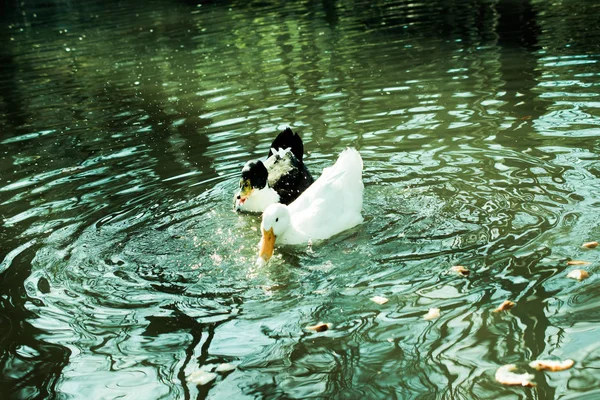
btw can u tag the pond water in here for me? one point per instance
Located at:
(123, 268)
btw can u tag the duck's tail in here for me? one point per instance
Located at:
(287, 139)
(346, 173)
(350, 166)
(351, 162)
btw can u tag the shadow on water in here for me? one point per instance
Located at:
(124, 127)
(31, 365)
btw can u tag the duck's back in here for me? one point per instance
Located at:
(288, 175)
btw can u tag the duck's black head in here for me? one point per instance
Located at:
(254, 176)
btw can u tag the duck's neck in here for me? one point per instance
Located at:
(293, 235)
(260, 199)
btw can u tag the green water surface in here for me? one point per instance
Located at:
(123, 129)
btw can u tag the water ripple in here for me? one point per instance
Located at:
(124, 268)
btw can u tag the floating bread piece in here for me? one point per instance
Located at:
(201, 377)
(590, 245)
(433, 313)
(551, 365)
(379, 299)
(578, 262)
(320, 327)
(578, 274)
(506, 376)
(225, 367)
(461, 270)
(506, 305)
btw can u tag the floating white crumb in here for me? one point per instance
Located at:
(578, 262)
(461, 270)
(225, 367)
(506, 376)
(578, 274)
(201, 377)
(551, 365)
(433, 313)
(506, 305)
(320, 327)
(379, 299)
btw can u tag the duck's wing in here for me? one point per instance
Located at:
(336, 210)
(345, 175)
(287, 139)
(334, 201)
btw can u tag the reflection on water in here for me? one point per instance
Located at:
(123, 268)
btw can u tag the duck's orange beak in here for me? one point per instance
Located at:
(267, 244)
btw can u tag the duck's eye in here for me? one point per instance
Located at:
(276, 219)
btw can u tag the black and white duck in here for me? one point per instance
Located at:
(281, 178)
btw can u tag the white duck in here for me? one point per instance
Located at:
(332, 204)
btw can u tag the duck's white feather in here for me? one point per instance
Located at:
(260, 200)
(332, 204)
(279, 164)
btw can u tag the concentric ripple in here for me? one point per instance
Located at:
(123, 268)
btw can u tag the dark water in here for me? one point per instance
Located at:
(124, 127)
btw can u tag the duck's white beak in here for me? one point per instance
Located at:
(267, 244)
(242, 196)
